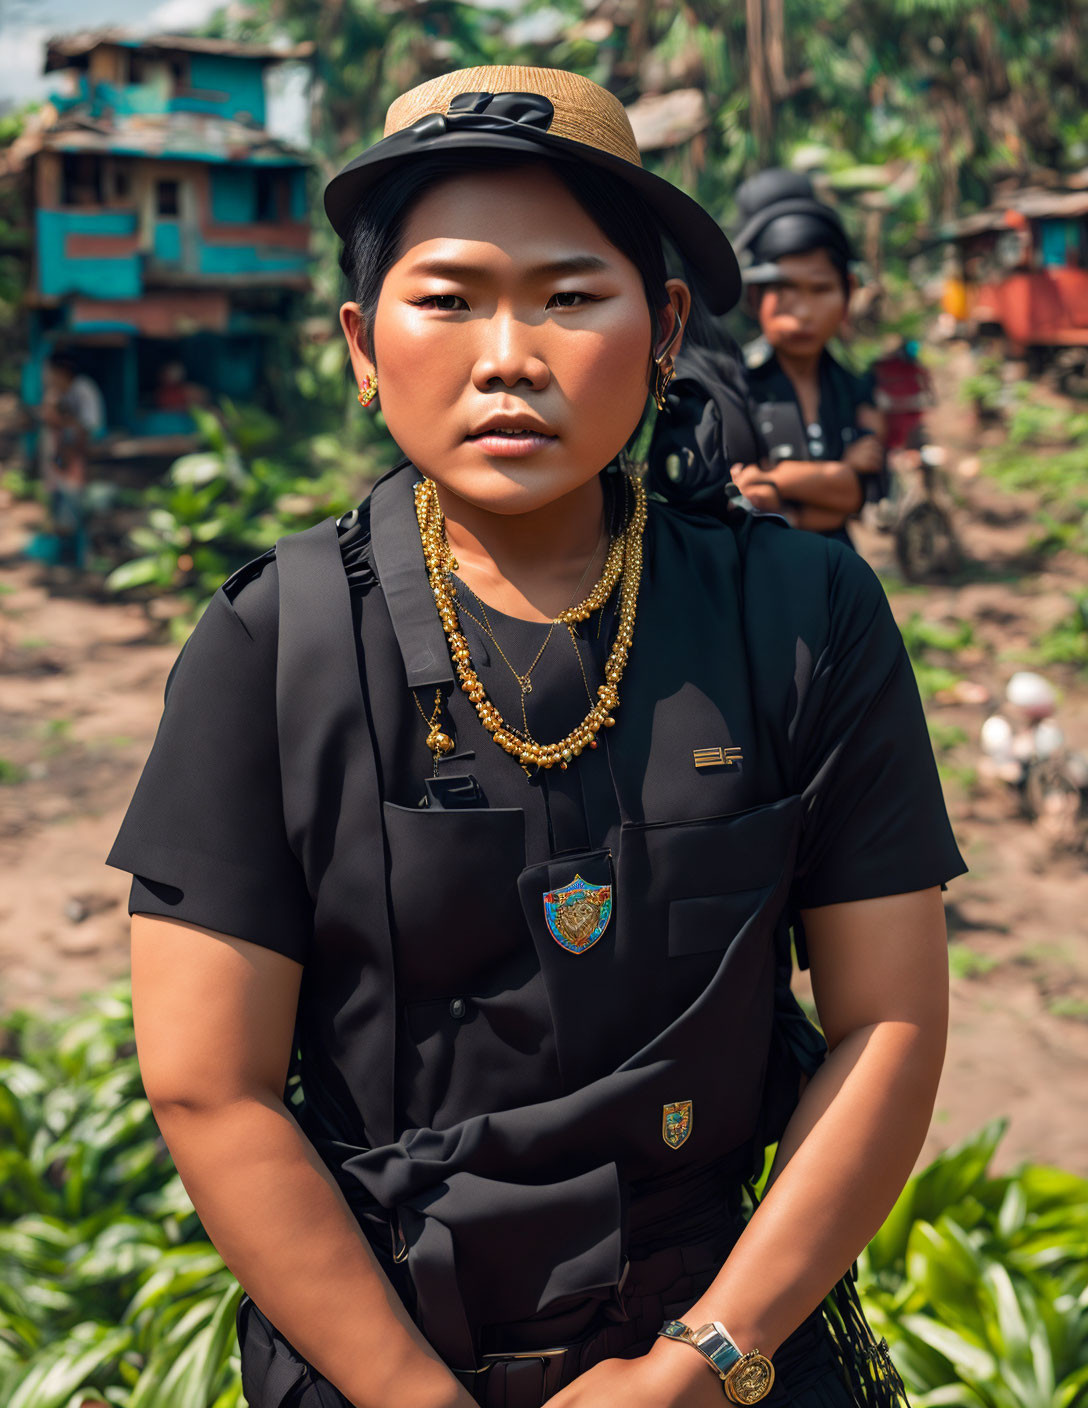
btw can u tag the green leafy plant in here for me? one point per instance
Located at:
(1067, 642)
(978, 1282)
(945, 737)
(221, 506)
(110, 1293)
(966, 962)
(922, 638)
(1045, 455)
(984, 388)
(109, 1290)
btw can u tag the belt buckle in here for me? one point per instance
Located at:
(488, 1361)
(547, 1363)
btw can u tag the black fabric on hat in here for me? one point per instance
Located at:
(781, 215)
(797, 232)
(768, 187)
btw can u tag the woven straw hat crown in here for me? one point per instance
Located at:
(584, 111)
(546, 114)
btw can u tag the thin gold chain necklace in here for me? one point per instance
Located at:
(525, 682)
(623, 565)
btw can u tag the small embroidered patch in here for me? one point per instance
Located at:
(676, 1122)
(578, 914)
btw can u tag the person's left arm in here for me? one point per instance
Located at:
(827, 492)
(880, 979)
(763, 493)
(817, 520)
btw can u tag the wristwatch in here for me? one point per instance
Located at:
(746, 1378)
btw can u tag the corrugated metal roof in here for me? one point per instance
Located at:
(1037, 202)
(61, 49)
(668, 119)
(1034, 202)
(177, 136)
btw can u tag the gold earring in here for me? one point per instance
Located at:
(664, 371)
(368, 390)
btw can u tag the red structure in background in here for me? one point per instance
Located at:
(1020, 272)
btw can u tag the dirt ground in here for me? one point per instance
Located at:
(81, 680)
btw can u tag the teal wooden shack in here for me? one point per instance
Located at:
(171, 228)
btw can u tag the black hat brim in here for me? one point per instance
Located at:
(757, 275)
(698, 238)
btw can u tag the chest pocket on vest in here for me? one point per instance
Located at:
(454, 900)
(704, 879)
(473, 1032)
(684, 893)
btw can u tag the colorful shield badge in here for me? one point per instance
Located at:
(676, 1122)
(578, 914)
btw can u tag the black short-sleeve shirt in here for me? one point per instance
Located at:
(790, 634)
(843, 393)
(204, 835)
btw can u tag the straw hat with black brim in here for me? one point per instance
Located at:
(540, 112)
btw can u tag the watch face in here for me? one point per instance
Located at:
(751, 1380)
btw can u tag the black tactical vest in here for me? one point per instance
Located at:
(682, 1007)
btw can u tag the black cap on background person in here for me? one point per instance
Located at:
(779, 215)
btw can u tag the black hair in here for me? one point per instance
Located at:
(64, 362)
(708, 330)
(372, 244)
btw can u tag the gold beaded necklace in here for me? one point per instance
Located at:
(623, 564)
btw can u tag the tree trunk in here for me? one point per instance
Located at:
(774, 20)
(760, 104)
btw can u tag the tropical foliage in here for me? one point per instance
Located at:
(981, 1284)
(110, 1293)
(913, 108)
(225, 504)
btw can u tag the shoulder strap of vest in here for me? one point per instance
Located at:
(317, 679)
(330, 778)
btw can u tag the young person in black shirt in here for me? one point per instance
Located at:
(824, 433)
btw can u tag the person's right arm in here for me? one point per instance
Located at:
(764, 492)
(214, 1019)
(826, 484)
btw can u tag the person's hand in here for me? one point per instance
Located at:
(669, 1376)
(865, 456)
(754, 484)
